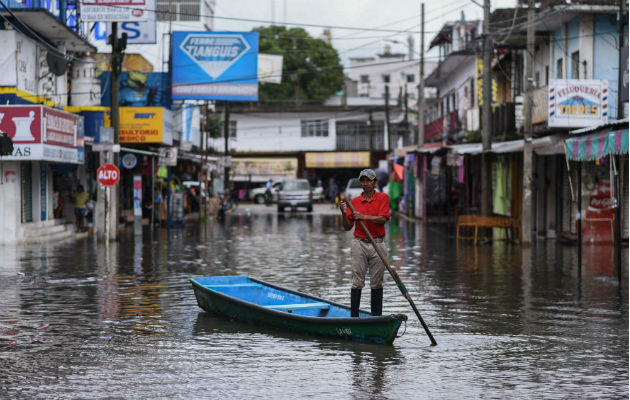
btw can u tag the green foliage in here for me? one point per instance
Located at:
(215, 126)
(311, 71)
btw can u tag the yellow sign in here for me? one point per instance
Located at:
(479, 88)
(265, 167)
(338, 160)
(145, 125)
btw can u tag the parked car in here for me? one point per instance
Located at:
(295, 193)
(258, 195)
(354, 189)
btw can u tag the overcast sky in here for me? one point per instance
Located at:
(374, 18)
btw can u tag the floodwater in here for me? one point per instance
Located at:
(84, 320)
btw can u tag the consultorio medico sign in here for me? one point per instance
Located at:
(575, 103)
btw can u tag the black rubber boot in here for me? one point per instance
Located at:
(355, 301)
(376, 302)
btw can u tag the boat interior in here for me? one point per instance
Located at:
(244, 288)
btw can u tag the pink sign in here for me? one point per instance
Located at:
(39, 125)
(23, 124)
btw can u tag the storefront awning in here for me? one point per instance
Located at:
(597, 145)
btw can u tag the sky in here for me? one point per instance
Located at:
(375, 22)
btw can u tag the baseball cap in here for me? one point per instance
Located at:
(368, 173)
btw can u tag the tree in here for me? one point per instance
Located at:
(311, 71)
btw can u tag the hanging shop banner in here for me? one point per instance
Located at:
(269, 68)
(215, 66)
(479, 87)
(137, 195)
(338, 159)
(146, 125)
(113, 10)
(188, 121)
(41, 133)
(168, 155)
(577, 103)
(262, 169)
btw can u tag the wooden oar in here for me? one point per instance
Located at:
(394, 275)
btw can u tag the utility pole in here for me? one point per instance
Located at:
(617, 158)
(226, 134)
(486, 117)
(117, 48)
(387, 126)
(420, 139)
(528, 204)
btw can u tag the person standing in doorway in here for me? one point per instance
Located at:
(80, 208)
(372, 208)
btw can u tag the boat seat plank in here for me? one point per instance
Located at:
(232, 285)
(302, 306)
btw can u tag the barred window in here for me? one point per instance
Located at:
(231, 129)
(317, 127)
(180, 10)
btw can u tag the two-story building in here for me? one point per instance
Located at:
(575, 50)
(38, 49)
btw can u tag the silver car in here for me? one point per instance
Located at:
(258, 195)
(295, 193)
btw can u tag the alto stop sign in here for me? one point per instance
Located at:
(108, 174)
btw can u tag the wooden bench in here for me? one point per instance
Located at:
(479, 221)
(300, 306)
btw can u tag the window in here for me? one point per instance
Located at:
(546, 75)
(559, 68)
(575, 65)
(472, 93)
(537, 79)
(317, 127)
(180, 10)
(411, 78)
(385, 78)
(231, 128)
(365, 79)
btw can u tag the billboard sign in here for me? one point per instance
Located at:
(41, 133)
(215, 66)
(146, 125)
(113, 10)
(577, 103)
(139, 32)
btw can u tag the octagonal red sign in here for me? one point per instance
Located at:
(108, 174)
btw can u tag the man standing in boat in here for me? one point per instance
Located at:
(372, 208)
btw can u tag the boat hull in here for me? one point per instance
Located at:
(382, 329)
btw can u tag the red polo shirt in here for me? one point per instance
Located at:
(378, 206)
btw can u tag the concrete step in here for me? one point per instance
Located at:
(51, 232)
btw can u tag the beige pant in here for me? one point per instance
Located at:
(364, 259)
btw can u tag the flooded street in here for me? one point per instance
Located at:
(85, 320)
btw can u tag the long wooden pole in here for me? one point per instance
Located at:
(394, 275)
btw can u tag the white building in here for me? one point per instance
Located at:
(398, 71)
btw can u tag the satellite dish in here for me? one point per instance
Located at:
(56, 63)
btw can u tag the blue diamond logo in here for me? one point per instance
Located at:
(214, 53)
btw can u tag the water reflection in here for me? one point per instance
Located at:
(523, 322)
